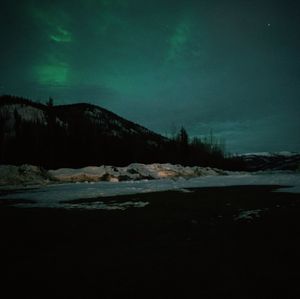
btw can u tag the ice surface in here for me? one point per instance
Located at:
(53, 195)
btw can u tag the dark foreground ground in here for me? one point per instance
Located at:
(182, 245)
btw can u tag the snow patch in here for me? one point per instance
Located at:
(98, 205)
(25, 112)
(249, 215)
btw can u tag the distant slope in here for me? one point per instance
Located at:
(107, 123)
(271, 161)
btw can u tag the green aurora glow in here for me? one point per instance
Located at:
(51, 74)
(231, 66)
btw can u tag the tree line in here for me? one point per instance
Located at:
(68, 138)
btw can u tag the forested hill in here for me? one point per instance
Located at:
(78, 135)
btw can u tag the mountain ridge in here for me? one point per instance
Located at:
(82, 134)
(262, 161)
(88, 130)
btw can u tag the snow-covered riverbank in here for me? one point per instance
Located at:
(33, 175)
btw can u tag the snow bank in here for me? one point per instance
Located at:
(32, 175)
(24, 174)
(134, 171)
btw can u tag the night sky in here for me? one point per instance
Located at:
(232, 67)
